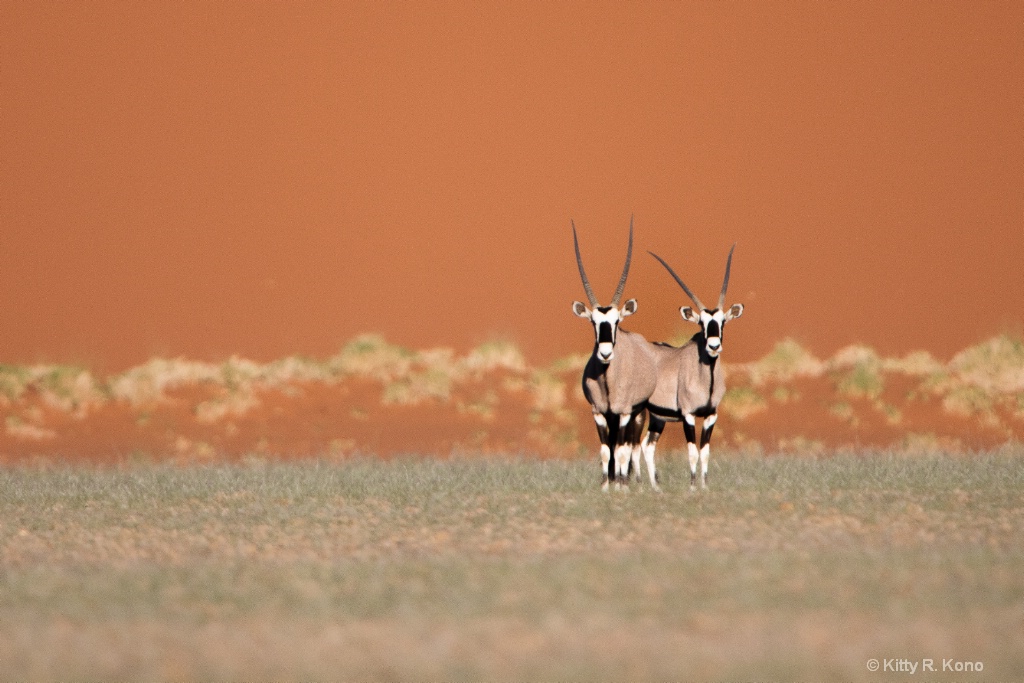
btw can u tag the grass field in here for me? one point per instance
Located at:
(504, 569)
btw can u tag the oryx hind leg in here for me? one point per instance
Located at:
(650, 443)
(635, 433)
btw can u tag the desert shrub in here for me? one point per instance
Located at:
(786, 361)
(495, 355)
(861, 381)
(858, 371)
(298, 369)
(967, 400)
(13, 379)
(548, 391)
(572, 363)
(148, 383)
(996, 366)
(742, 402)
(369, 355)
(916, 363)
(421, 385)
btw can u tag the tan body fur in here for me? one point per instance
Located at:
(624, 385)
(687, 385)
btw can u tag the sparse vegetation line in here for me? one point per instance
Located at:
(493, 400)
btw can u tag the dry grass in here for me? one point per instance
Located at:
(789, 400)
(993, 369)
(791, 568)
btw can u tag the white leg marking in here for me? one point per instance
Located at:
(622, 455)
(599, 419)
(648, 448)
(689, 419)
(710, 420)
(606, 455)
(694, 457)
(704, 453)
(624, 420)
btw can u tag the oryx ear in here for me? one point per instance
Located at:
(689, 315)
(579, 309)
(629, 308)
(735, 311)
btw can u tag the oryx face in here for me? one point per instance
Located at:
(606, 321)
(711, 320)
(712, 324)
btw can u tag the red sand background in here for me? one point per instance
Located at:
(209, 178)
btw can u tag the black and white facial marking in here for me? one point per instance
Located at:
(712, 323)
(606, 321)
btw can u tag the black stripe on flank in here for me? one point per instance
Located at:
(665, 413)
(704, 411)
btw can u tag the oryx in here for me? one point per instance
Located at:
(620, 375)
(691, 379)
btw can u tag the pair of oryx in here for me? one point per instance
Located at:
(627, 377)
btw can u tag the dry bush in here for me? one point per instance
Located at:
(788, 360)
(741, 402)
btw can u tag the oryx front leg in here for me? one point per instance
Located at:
(689, 427)
(705, 447)
(623, 452)
(603, 434)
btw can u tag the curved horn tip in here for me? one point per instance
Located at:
(625, 270)
(725, 281)
(591, 297)
(693, 297)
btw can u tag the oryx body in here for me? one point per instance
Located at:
(620, 375)
(691, 380)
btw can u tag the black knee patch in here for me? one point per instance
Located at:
(690, 431)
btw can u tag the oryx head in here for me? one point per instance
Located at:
(711, 320)
(605, 318)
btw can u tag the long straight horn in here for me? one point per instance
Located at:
(625, 270)
(725, 283)
(583, 273)
(682, 284)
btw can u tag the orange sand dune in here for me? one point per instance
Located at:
(215, 178)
